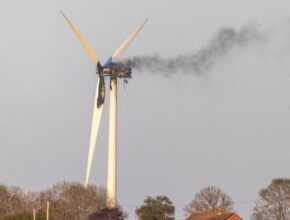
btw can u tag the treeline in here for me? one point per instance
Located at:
(72, 201)
(273, 203)
(67, 201)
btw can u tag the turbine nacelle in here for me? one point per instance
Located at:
(116, 70)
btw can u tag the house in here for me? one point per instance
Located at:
(213, 216)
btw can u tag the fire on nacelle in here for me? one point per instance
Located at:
(116, 70)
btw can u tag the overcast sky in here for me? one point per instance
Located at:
(228, 127)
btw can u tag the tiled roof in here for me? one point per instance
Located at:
(211, 216)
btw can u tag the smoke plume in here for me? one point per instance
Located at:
(201, 61)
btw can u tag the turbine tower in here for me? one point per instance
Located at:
(112, 69)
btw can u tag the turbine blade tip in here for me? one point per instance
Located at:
(146, 20)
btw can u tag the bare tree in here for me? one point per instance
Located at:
(210, 199)
(68, 201)
(12, 201)
(273, 202)
(4, 197)
(16, 201)
(72, 201)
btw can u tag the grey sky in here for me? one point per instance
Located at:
(229, 128)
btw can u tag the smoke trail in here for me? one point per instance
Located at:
(201, 61)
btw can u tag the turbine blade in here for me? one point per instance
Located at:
(98, 109)
(83, 41)
(118, 54)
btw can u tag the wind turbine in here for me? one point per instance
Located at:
(112, 69)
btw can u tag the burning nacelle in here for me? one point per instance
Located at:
(117, 70)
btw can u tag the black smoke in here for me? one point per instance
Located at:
(204, 59)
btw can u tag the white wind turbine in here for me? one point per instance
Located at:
(112, 69)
